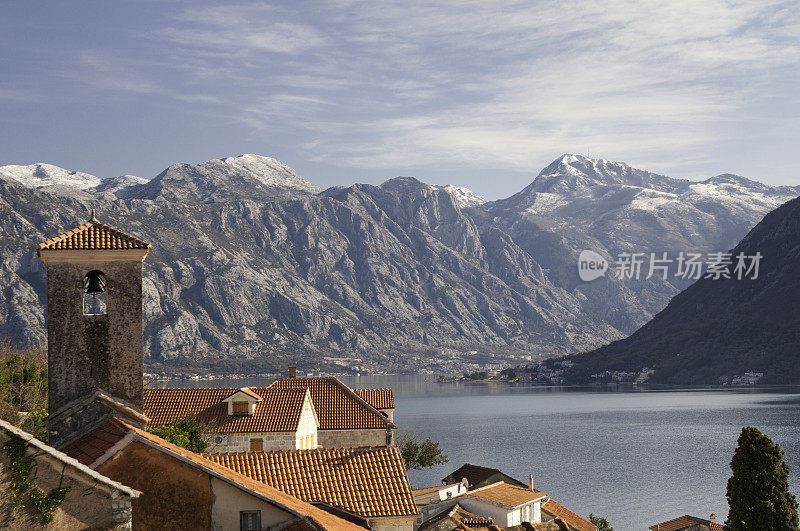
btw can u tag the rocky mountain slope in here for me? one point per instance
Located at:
(716, 330)
(255, 266)
(577, 203)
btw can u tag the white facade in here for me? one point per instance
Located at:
(445, 492)
(504, 515)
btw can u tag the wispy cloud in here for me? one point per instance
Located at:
(405, 86)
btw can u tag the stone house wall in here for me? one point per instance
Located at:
(88, 504)
(348, 438)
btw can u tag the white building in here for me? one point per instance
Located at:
(505, 504)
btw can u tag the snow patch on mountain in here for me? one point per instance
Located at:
(269, 171)
(47, 175)
(464, 197)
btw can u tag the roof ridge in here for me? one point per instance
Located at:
(370, 407)
(319, 449)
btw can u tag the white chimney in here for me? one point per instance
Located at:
(530, 481)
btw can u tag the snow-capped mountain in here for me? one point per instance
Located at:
(577, 203)
(463, 196)
(614, 185)
(252, 264)
(47, 175)
(271, 172)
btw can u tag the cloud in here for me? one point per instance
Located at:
(238, 31)
(415, 84)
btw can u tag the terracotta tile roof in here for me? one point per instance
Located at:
(97, 442)
(572, 519)
(91, 236)
(377, 398)
(338, 407)
(279, 409)
(246, 390)
(41, 448)
(369, 481)
(509, 495)
(322, 519)
(682, 522)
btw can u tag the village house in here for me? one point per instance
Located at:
(505, 504)
(370, 482)
(494, 497)
(499, 504)
(131, 477)
(689, 523)
(434, 495)
(250, 418)
(183, 490)
(91, 501)
(479, 476)
(345, 418)
(290, 414)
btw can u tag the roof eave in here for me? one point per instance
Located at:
(80, 255)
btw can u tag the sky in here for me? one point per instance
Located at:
(478, 94)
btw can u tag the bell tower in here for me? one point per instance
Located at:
(94, 321)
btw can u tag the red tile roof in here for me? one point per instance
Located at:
(97, 442)
(377, 398)
(279, 409)
(247, 391)
(572, 519)
(338, 407)
(94, 235)
(369, 481)
(509, 495)
(682, 522)
(321, 518)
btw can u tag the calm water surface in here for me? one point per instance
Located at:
(637, 458)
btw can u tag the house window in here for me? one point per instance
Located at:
(250, 520)
(313, 441)
(256, 445)
(241, 408)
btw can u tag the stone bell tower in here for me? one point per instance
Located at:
(94, 324)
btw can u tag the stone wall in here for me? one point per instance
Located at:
(88, 504)
(347, 438)
(405, 523)
(175, 495)
(240, 442)
(89, 352)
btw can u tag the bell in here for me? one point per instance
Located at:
(95, 283)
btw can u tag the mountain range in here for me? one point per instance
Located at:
(254, 266)
(719, 329)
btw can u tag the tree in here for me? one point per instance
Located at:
(23, 388)
(185, 432)
(758, 491)
(601, 523)
(419, 454)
